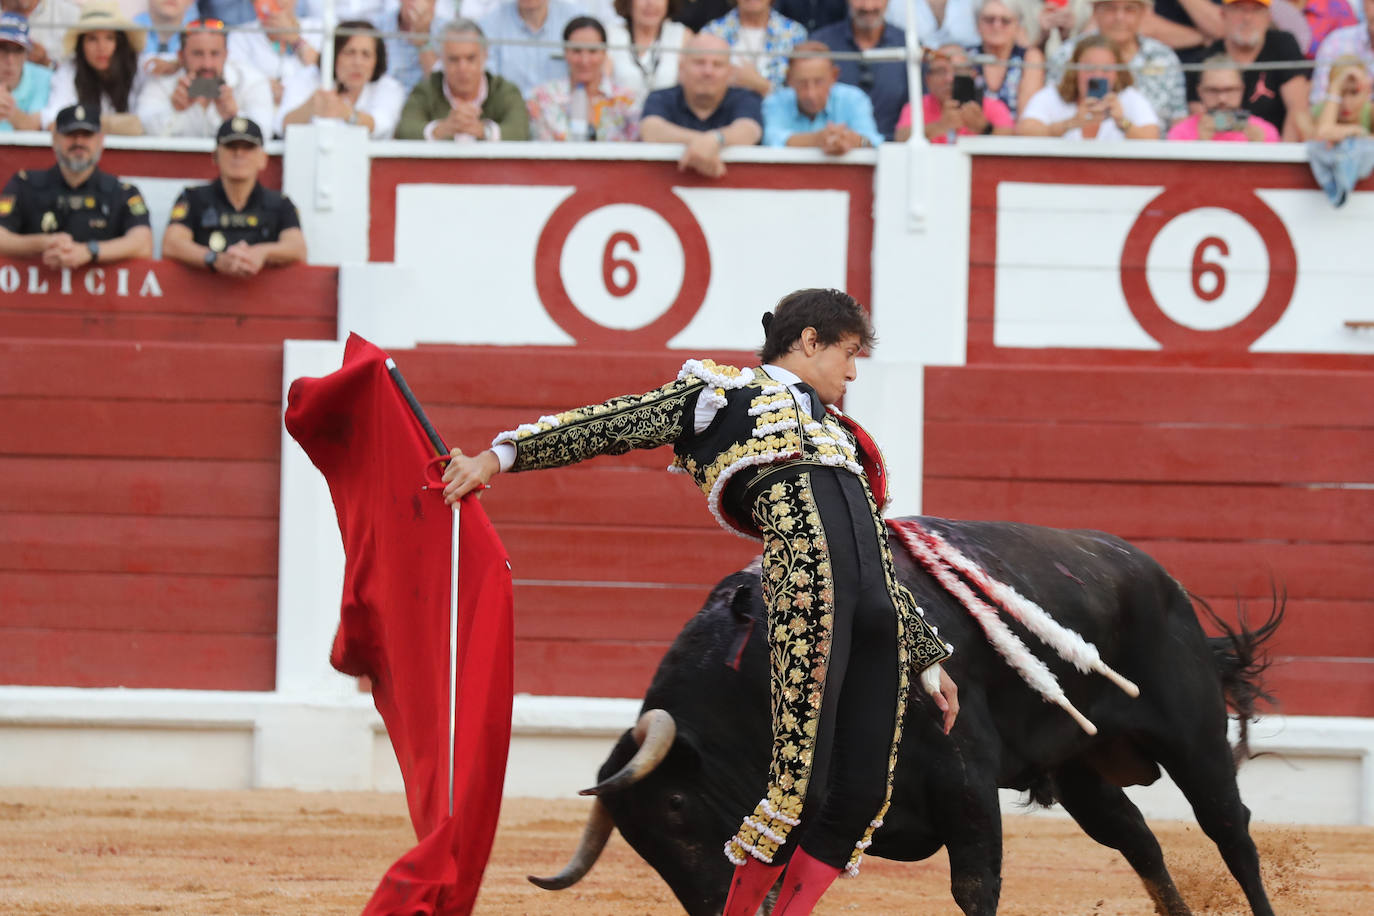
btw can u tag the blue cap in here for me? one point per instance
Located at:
(14, 28)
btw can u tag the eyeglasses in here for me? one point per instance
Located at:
(216, 25)
(987, 19)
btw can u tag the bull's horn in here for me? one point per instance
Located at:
(594, 837)
(654, 733)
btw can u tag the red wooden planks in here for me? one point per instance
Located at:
(145, 486)
(140, 371)
(189, 661)
(137, 602)
(1311, 627)
(641, 496)
(659, 555)
(221, 430)
(1224, 397)
(1323, 687)
(1162, 510)
(589, 669)
(627, 611)
(138, 544)
(1044, 451)
(216, 329)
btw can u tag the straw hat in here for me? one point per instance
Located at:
(99, 15)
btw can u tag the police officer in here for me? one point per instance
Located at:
(234, 225)
(73, 214)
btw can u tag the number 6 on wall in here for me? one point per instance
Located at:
(609, 263)
(1203, 268)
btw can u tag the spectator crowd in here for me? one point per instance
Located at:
(706, 74)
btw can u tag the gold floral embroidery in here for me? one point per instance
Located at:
(612, 428)
(800, 598)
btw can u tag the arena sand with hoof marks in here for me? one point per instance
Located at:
(114, 852)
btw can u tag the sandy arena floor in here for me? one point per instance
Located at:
(115, 852)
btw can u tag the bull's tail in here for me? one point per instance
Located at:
(1241, 659)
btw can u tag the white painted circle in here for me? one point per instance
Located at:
(1169, 268)
(659, 266)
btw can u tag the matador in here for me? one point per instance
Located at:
(844, 635)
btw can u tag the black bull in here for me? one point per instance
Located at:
(677, 785)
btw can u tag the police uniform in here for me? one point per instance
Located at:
(213, 220)
(100, 208)
(844, 633)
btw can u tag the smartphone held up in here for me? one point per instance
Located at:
(205, 87)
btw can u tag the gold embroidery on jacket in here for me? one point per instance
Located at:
(611, 428)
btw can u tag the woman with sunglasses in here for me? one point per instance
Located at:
(362, 92)
(100, 68)
(1019, 71)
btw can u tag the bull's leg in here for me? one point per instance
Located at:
(1109, 817)
(971, 819)
(1206, 775)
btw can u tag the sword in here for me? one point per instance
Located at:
(438, 443)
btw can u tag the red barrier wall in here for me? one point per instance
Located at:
(139, 474)
(1222, 475)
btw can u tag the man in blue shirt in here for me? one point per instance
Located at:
(703, 112)
(885, 82)
(527, 20)
(411, 59)
(815, 110)
(23, 85)
(165, 20)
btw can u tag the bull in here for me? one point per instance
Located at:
(676, 784)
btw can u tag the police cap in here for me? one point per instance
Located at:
(79, 117)
(239, 129)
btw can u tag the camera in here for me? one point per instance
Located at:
(1098, 87)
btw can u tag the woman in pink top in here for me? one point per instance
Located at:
(947, 117)
(1221, 89)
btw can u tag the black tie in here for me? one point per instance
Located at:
(814, 404)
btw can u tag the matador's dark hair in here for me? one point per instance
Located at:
(834, 314)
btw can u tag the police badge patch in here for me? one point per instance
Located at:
(239, 125)
(6, 205)
(137, 207)
(179, 209)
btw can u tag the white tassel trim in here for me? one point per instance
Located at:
(765, 830)
(777, 815)
(752, 850)
(761, 406)
(718, 488)
(713, 398)
(716, 379)
(767, 429)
